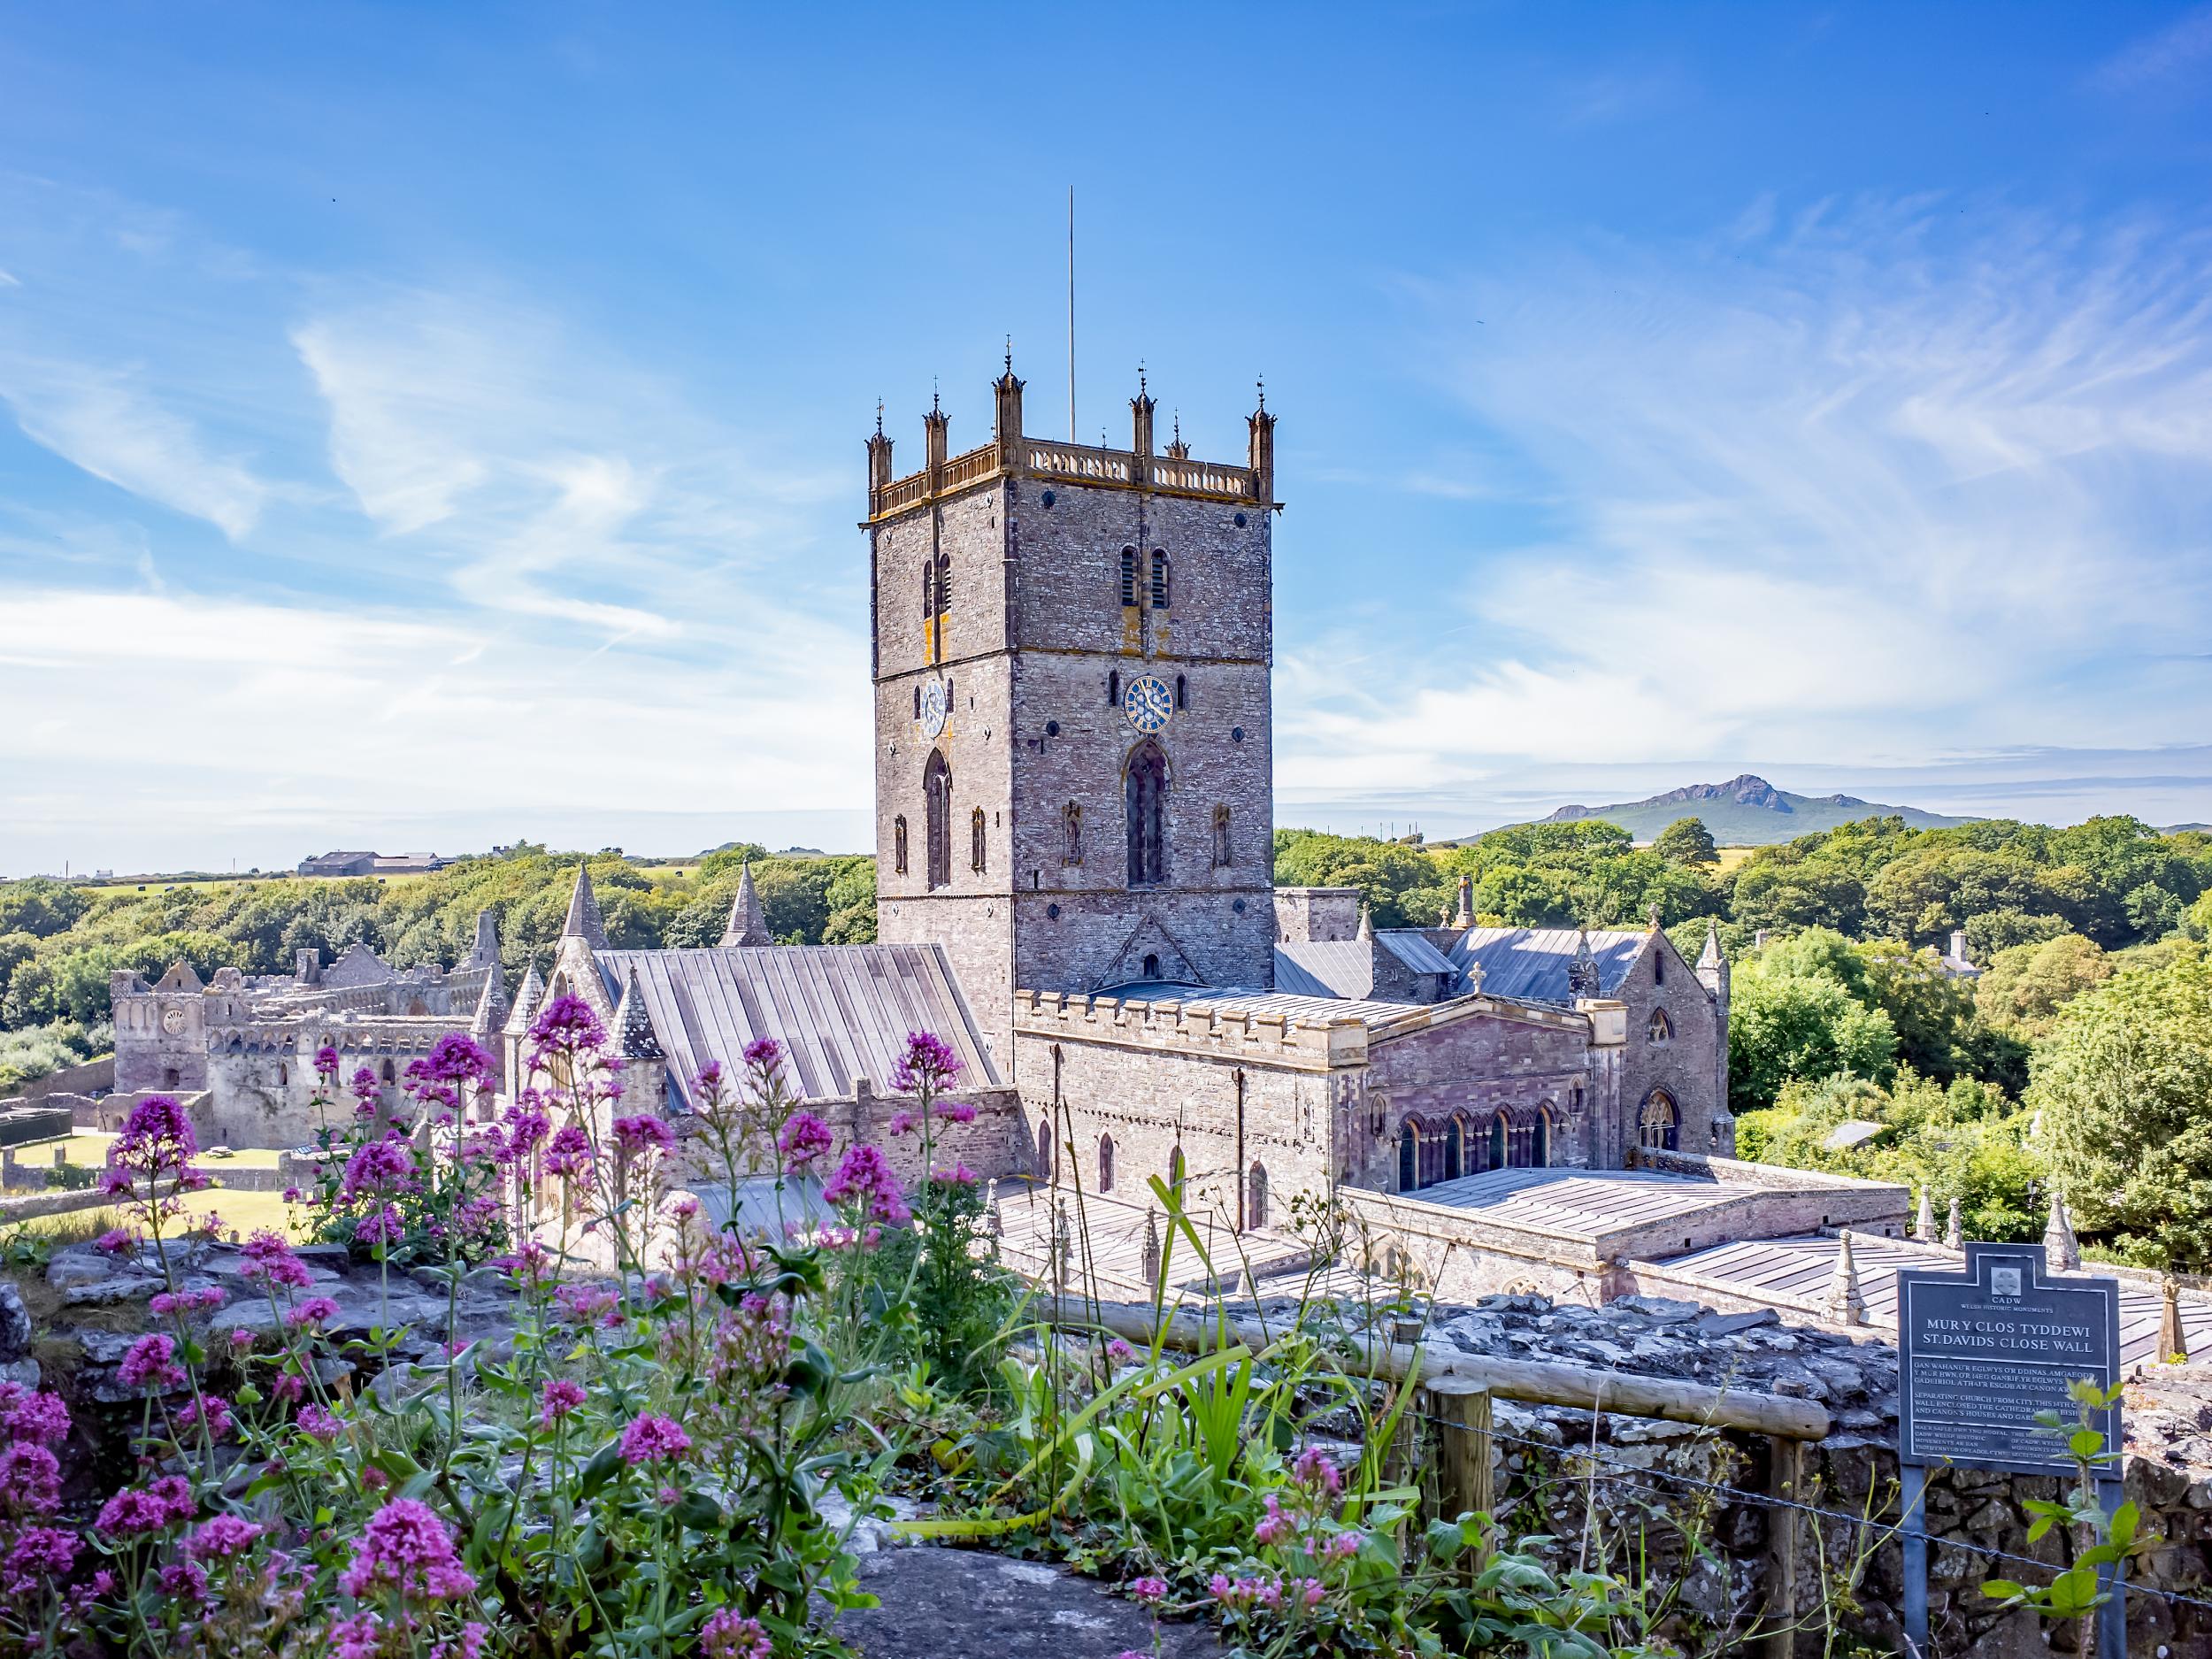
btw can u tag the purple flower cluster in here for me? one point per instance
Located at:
(804, 1139)
(927, 1065)
(378, 1169)
(866, 1179)
(152, 1363)
(137, 1510)
(568, 1154)
(269, 1261)
(653, 1439)
(406, 1548)
(642, 1133)
(561, 1397)
(566, 1025)
(184, 1304)
(729, 1635)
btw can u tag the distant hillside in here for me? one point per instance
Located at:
(1746, 811)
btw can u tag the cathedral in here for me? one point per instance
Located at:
(1072, 652)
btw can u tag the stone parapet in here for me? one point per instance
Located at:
(1215, 1030)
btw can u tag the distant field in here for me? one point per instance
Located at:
(89, 1148)
(1730, 856)
(162, 884)
(242, 1213)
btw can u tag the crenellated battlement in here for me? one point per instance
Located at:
(1211, 1029)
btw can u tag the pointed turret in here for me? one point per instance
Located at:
(584, 919)
(748, 923)
(1953, 1232)
(1923, 1227)
(1464, 914)
(1709, 960)
(485, 951)
(633, 1025)
(1582, 972)
(528, 995)
(1846, 1303)
(491, 1006)
(2062, 1252)
(1366, 926)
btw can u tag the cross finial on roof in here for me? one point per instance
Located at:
(1263, 385)
(1010, 354)
(879, 417)
(1140, 377)
(933, 407)
(1178, 426)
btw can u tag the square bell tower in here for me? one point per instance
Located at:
(1074, 739)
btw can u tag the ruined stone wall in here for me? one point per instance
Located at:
(1317, 915)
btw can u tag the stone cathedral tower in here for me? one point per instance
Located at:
(1074, 768)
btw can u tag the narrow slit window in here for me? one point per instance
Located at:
(1128, 576)
(1159, 579)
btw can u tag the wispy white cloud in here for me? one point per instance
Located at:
(1862, 483)
(2179, 49)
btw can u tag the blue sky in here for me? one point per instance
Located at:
(422, 426)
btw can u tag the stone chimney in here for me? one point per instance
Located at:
(1958, 944)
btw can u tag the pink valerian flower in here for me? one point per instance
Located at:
(214, 1408)
(1274, 1527)
(589, 1304)
(729, 1635)
(1342, 1545)
(1313, 1471)
(151, 1364)
(468, 1645)
(953, 1111)
(653, 1439)
(292, 1194)
(406, 1549)
(561, 1397)
(565, 1025)
(183, 1581)
(313, 1313)
(804, 1139)
(762, 1054)
(241, 1338)
(1118, 1350)
(1151, 1592)
(320, 1424)
(379, 1168)
(224, 1536)
(42, 1420)
(903, 1122)
(368, 1094)
(568, 1153)
(135, 1511)
(327, 1064)
(866, 1179)
(288, 1387)
(642, 1133)
(959, 1175)
(114, 1240)
(530, 1265)
(927, 1066)
(269, 1261)
(40, 1555)
(380, 1226)
(455, 1058)
(30, 1479)
(184, 1304)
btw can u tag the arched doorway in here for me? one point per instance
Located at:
(1660, 1125)
(1540, 1139)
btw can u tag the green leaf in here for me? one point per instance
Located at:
(2001, 1589)
(601, 1469)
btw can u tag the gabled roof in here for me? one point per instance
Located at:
(839, 1011)
(357, 964)
(1342, 967)
(584, 920)
(1531, 962)
(1412, 947)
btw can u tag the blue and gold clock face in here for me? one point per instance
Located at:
(1147, 703)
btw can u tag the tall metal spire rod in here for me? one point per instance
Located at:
(1071, 313)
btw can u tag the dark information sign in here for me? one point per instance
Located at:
(1980, 1353)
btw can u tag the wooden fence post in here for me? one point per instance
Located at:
(1784, 1480)
(1464, 1452)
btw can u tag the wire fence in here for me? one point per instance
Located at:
(1644, 1472)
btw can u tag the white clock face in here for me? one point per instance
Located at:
(1147, 703)
(933, 707)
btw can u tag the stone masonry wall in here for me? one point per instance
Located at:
(1684, 1064)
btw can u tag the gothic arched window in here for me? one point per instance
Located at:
(1159, 579)
(929, 596)
(1221, 838)
(944, 589)
(1408, 1157)
(1146, 801)
(1660, 1125)
(975, 840)
(937, 792)
(1105, 1163)
(1539, 1141)
(1256, 1199)
(1182, 692)
(1113, 689)
(1128, 576)
(1456, 1147)
(1044, 1151)
(898, 844)
(1499, 1156)
(1662, 1032)
(1071, 834)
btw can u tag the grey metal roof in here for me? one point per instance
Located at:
(1532, 961)
(1343, 967)
(840, 1011)
(1413, 949)
(1579, 1204)
(1315, 1010)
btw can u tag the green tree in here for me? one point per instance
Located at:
(41, 907)
(1784, 1027)
(1687, 841)
(1404, 886)
(2025, 988)
(2123, 1085)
